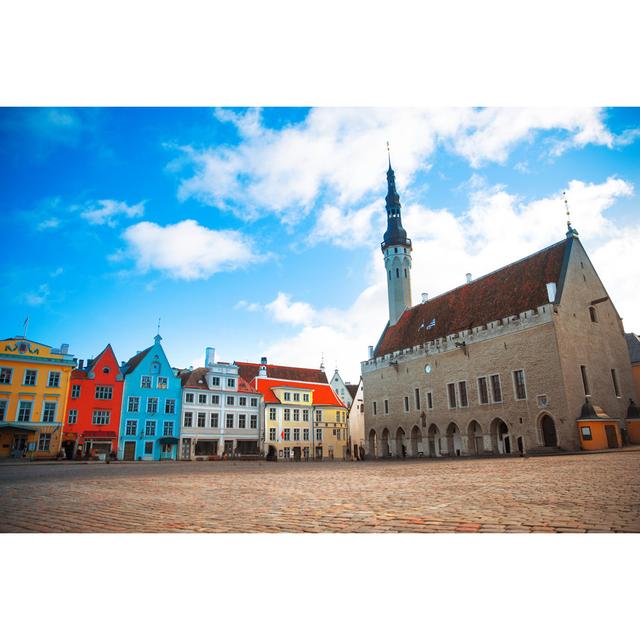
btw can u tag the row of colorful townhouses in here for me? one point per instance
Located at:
(52, 405)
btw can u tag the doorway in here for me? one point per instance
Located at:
(129, 450)
(549, 435)
(612, 437)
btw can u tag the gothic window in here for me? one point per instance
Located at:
(592, 314)
(397, 273)
(405, 273)
(389, 274)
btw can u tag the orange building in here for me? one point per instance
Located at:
(597, 430)
(633, 422)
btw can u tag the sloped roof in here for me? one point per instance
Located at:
(249, 371)
(323, 394)
(508, 291)
(633, 343)
(132, 363)
(191, 380)
(352, 389)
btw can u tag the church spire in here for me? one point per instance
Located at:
(395, 233)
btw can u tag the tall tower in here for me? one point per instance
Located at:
(396, 248)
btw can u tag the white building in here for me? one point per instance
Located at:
(344, 390)
(221, 413)
(356, 419)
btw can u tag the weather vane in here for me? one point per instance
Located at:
(566, 204)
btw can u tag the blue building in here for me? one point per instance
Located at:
(150, 419)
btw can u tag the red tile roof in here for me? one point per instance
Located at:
(132, 363)
(192, 380)
(517, 287)
(249, 371)
(79, 374)
(323, 394)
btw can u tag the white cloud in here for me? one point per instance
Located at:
(108, 211)
(347, 229)
(187, 250)
(497, 228)
(48, 223)
(38, 297)
(336, 155)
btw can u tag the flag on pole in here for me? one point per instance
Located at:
(26, 324)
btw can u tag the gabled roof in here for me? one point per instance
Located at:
(352, 389)
(517, 287)
(633, 343)
(132, 363)
(323, 394)
(249, 371)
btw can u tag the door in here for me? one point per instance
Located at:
(549, 432)
(186, 449)
(612, 438)
(129, 451)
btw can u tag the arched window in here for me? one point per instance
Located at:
(593, 314)
(389, 274)
(397, 273)
(405, 273)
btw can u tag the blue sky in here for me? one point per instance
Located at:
(257, 231)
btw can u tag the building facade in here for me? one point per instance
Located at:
(355, 419)
(34, 385)
(502, 364)
(344, 390)
(221, 414)
(92, 418)
(151, 405)
(633, 344)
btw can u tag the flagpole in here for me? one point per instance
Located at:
(24, 329)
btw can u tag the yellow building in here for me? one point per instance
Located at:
(303, 420)
(34, 385)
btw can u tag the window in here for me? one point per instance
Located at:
(163, 382)
(170, 406)
(318, 416)
(6, 374)
(188, 419)
(242, 421)
(287, 415)
(202, 398)
(586, 433)
(406, 403)
(215, 399)
(104, 392)
(375, 408)
(451, 392)
(593, 314)
(287, 434)
(231, 383)
(296, 434)
(215, 381)
(44, 442)
(429, 400)
(585, 380)
(231, 400)
(483, 390)
(189, 397)
(287, 396)
(305, 415)
(106, 370)
(518, 383)
(272, 413)
(296, 415)
(100, 416)
(253, 422)
(49, 412)
(229, 420)
(397, 273)
(152, 405)
(134, 404)
(496, 389)
(305, 397)
(286, 451)
(272, 434)
(150, 428)
(30, 377)
(614, 379)
(73, 416)
(417, 392)
(75, 391)
(305, 434)
(386, 406)
(254, 402)
(148, 448)
(131, 427)
(202, 420)
(145, 382)
(242, 401)
(319, 435)
(296, 397)
(462, 394)
(24, 410)
(167, 428)
(213, 420)
(54, 379)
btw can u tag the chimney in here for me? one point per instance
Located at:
(209, 357)
(80, 364)
(468, 278)
(370, 347)
(262, 371)
(425, 297)
(263, 360)
(551, 291)
(64, 348)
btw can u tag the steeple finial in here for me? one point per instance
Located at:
(389, 154)
(158, 336)
(571, 232)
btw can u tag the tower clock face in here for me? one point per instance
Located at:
(427, 368)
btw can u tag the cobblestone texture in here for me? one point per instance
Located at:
(599, 492)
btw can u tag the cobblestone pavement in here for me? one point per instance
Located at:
(599, 492)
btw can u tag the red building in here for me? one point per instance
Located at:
(93, 408)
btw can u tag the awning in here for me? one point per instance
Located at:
(14, 427)
(168, 440)
(99, 435)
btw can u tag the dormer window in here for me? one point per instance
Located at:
(593, 314)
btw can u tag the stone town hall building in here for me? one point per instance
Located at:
(501, 364)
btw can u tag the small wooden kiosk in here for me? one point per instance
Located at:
(596, 429)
